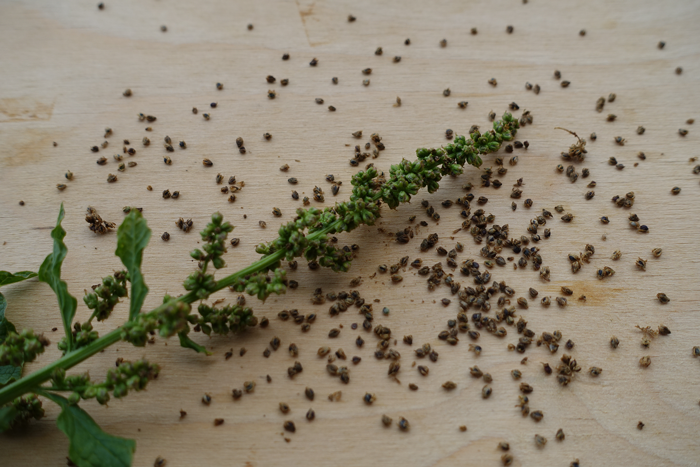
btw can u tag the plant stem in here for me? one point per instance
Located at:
(32, 382)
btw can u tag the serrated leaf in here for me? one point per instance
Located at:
(8, 373)
(132, 237)
(50, 272)
(7, 278)
(7, 414)
(89, 445)
(188, 343)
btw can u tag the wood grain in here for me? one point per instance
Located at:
(65, 65)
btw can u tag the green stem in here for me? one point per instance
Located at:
(92, 316)
(269, 260)
(32, 382)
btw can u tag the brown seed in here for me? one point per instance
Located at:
(309, 393)
(540, 441)
(394, 368)
(289, 426)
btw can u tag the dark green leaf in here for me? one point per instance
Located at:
(3, 306)
(7, 278)
(132, 238)
(188, 343)
(7, 414)
(89, 445)
(5, 326)
(8, 373)
(50, 272)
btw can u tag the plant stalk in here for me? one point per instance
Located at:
(32, 382)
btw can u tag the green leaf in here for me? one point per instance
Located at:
(7, 414)
(8, 373)
(188, 343)
(3, 306)
(132, 237)
(5, 328)
(50, 272)
(7, 278)
(89, 445)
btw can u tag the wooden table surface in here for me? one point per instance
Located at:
(65, 66)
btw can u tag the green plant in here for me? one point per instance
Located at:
(306, 236)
